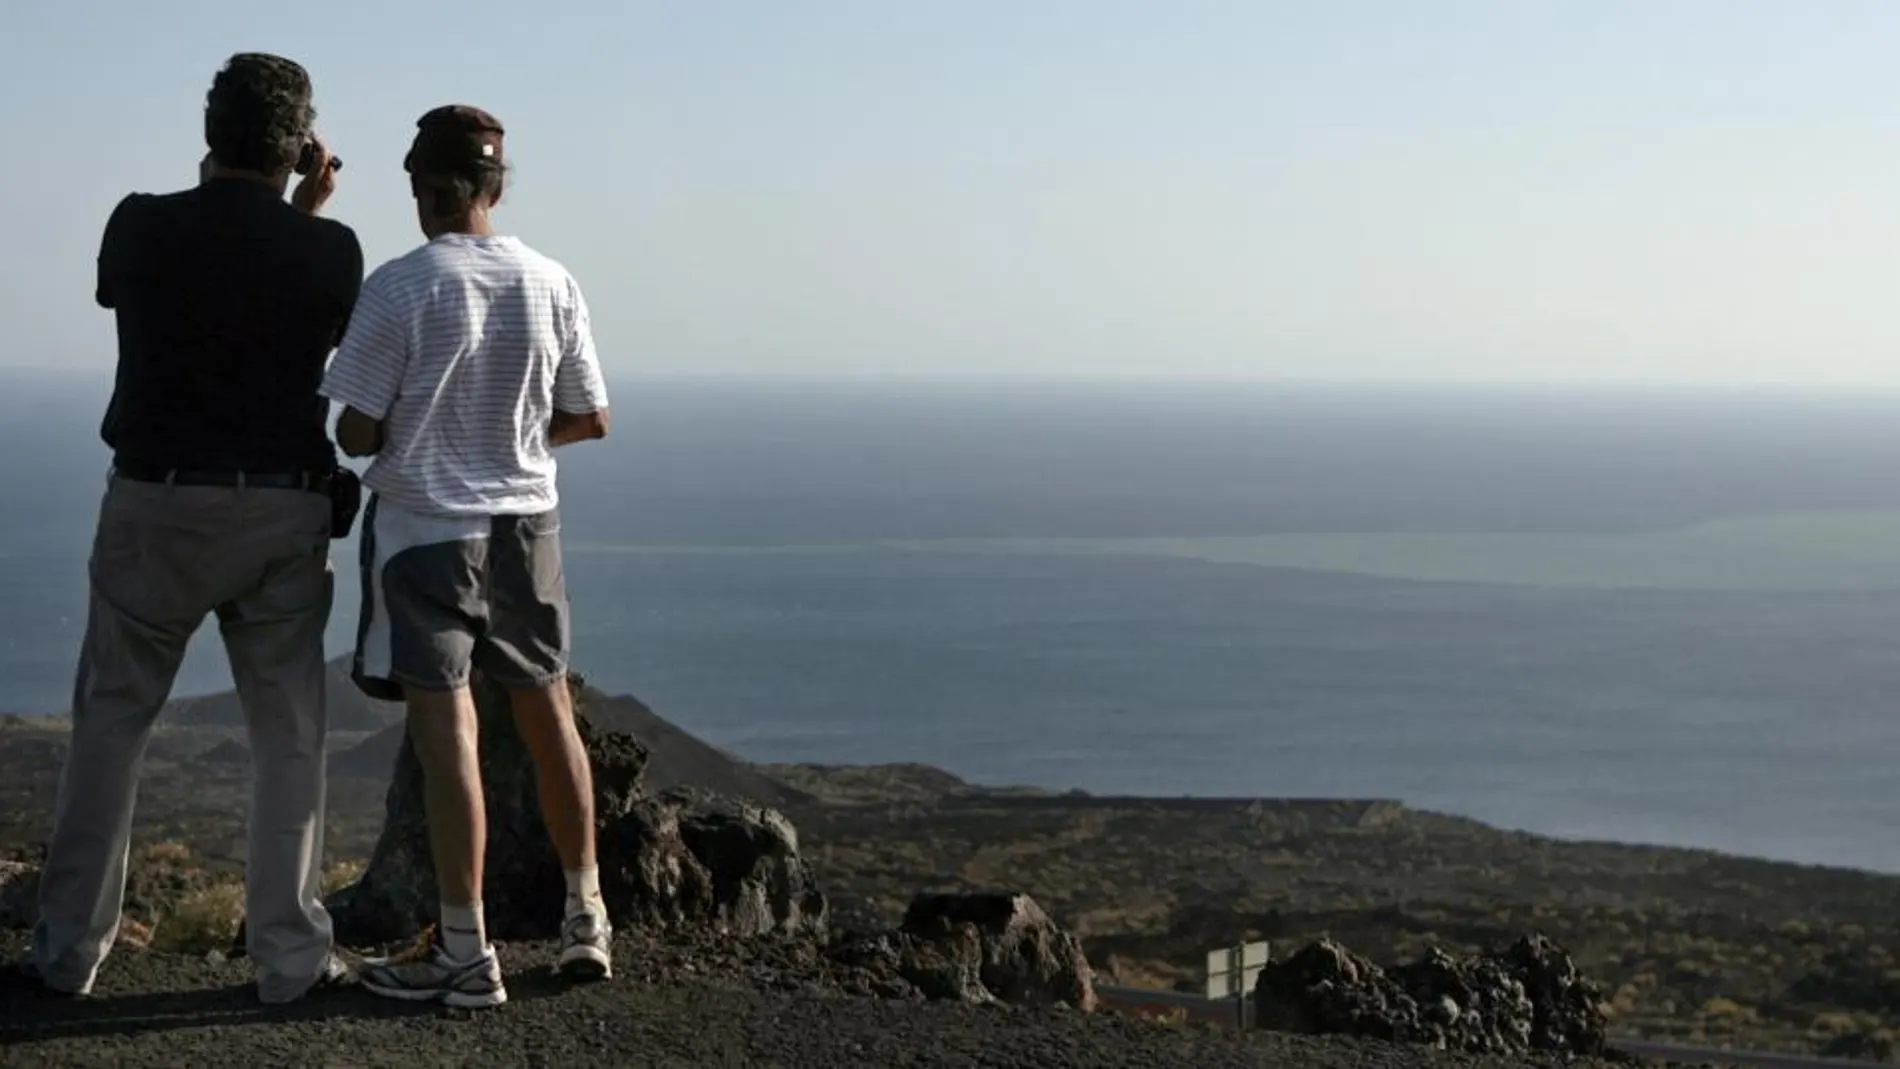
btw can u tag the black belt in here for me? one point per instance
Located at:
(315, 482)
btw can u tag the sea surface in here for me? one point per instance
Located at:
(1664, 616)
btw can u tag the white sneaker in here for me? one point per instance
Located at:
(586, 947)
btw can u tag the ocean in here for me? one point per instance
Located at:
(1656, 616)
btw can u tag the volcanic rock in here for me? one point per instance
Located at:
(682, 859)
(1528, 998)
(972, 948)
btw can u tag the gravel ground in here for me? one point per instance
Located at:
(161, 1010)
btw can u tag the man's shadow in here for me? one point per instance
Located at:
(29, 1015)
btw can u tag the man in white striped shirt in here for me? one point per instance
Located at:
(466, 363)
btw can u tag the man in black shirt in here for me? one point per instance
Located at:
(228, 303)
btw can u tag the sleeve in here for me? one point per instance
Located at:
(115, 253)
(349, 279)
(367, 371)
(579, 386)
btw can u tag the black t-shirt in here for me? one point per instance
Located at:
(229, 301)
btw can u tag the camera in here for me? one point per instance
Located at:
(307, 159)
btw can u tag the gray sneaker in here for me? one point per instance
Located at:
(586, 947)
(426, 973)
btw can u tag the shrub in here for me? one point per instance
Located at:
(204, 920)
(342, 874)
(166, 853)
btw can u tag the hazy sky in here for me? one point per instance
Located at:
(1332, 189)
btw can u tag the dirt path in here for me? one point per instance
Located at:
(160, 1010)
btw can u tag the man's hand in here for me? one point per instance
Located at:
(316, 188)
(357, 434)
(570, 427)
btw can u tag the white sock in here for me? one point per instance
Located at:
(463, 935)
(583, 891)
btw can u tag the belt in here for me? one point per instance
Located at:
(316, 482)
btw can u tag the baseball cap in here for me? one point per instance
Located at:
(451, 137)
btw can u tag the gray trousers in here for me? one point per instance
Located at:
(163, 558)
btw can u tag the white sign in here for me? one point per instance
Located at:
(1231, 970)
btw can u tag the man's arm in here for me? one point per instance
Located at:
(349, 279)
(365, 375)
(580, 391)
(113, 254)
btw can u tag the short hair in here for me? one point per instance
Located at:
(258, 115)
(456, 157)
(453, 191)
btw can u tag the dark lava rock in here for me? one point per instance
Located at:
(681, 859)
(1529, 998)
(1567, 1007)
(760, 883)
(972, 948)
(1326, 989)
(228, 752)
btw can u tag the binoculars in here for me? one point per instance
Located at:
(307, 159)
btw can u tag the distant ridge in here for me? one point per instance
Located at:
(349, 708)
(678, 758)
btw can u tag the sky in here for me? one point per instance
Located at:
(1650, 191)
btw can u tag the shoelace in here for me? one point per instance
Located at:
(422, 950)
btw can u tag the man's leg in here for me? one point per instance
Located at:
(422, 608)
(544, 717)
(564, 779)
(136, 635)
(526, 650)
(459, 967)
(442, 727)
(273, 635)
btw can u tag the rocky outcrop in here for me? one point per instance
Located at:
(1528, 998)
(684, 858)
(705, 875)
(972, 948)
(19, 894)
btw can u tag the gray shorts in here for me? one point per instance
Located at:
(442, 596)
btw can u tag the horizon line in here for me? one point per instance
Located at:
(1831, 388)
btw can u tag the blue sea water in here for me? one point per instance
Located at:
(1664, 617)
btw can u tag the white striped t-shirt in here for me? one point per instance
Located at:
(464, 349)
